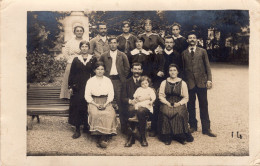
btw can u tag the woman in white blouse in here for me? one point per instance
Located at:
(71, 51)
(99, 94)
(173, 116)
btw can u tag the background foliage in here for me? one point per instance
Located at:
(45, 32)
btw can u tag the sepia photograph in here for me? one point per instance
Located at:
(107, 83)
(125, 83)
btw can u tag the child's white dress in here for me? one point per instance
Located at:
(145, 96)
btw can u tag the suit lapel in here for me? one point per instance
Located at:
(109, 58)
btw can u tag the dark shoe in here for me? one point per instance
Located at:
(181, 141)
(209, 133)
(144, 143)
(130, 141)
(152, 134)
(193, 129)
(76, 135)
(189, 137)
(168, 142)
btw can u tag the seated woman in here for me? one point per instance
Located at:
(173, 116)
(99, 94)
(81, 70)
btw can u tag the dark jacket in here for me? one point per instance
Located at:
(122, 64)
(128, 89)
(197, 69)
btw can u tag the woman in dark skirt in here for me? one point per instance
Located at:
(173, 116)
(81, 70)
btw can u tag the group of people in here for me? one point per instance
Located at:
(148, 77)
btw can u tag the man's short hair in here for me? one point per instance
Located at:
(101, 23)
(192, 32)
(168, 37)
(112, 38)
(137, 64)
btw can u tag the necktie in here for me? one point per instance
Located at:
(192, 52)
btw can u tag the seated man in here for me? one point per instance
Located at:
(128, 89)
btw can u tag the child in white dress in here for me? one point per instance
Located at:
(144, 96)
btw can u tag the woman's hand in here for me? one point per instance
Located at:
(176, 105)
(169, 104)
(101, 107)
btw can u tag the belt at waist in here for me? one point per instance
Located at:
(101, 96)
(114, 77)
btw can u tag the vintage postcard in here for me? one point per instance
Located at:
(130, 82)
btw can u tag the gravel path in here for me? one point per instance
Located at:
(228, 110)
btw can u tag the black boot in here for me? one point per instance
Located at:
(189, 137)
(130, 141)
(167, 139)
(144, 143)
(77, 133)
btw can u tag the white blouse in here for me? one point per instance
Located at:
(72, 49)
(99, 87)
(184, 92)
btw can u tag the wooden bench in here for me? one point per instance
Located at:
(45, 101)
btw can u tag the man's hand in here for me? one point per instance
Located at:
(209, 84)
(70, 91)
(158, 50)
(160, 74)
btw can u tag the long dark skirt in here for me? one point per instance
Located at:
(78, 110)
(173, 120)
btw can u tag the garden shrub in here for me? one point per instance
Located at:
(43, 67)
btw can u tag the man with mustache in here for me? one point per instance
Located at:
(197, 74)
(99, 44)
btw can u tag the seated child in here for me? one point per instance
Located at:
(144, 96)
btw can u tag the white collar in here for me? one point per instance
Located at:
(180, 36)
(82, 60)
(113, 52)
(194, 48)
(136, 51)
(168, 52)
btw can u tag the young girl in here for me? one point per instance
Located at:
(144, 96)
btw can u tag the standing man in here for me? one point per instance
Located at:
(171, 56)
(128, 90)
(117, 69)
(180, 41)
(126, 41)
(197, 74)
(154, 44)
(99, 44)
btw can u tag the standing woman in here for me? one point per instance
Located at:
(99, 94)
(173, 116)
(71, 51)
(81, 70)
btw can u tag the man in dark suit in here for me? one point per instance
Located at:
(197, 74)
(117, 69)
(171, 56)
(128, 90)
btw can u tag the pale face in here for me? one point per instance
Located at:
(84, 48)
(139, 44)
(113, 45)
(137, 71)
(176, 31)
(126, 28)
(148, 27)
(145, 84)
(169, 43)
(192, 40)
(102, 30)
(100, 71)
(173, 72)
(78, 32)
